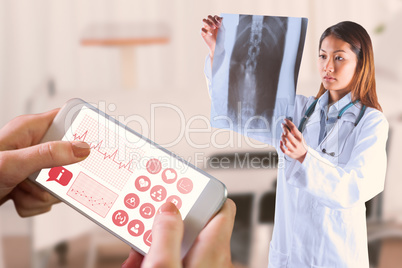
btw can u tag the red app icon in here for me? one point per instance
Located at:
(169, 175)
(148, 238)
(135, 228)
(185, 185)
(60, 175)
(158, 193)
(131, 201)
(154, 166)
(147, 210)
(120, 218)
(175, 200)
(142, 183)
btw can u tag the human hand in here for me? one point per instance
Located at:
(21, 155)
(292, 142)
(210, 31)
(210, 249)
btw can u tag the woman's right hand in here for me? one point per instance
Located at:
(210, 31)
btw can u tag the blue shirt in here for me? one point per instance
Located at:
(329, 114)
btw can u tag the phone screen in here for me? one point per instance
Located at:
(124, 180)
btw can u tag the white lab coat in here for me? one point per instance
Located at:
(320, 218)
(320, 214)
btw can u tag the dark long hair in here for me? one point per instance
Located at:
(363, 86)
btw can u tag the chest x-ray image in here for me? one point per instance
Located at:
(254, 73)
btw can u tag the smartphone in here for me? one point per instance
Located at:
(126, 178)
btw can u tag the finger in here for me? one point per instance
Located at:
(209, 23)
(291, 139)
(27, 205)
(205, 32)
(284, 149)
(218, 19)
(25, 130)
(286, 143)
(167, 235)
(222, 223)
(293, 128)
(37, 192)
(284, 126)
(212, 247)
(283, 139)
(214, 20)
(281, 147)
(134, 260)
(19, 164)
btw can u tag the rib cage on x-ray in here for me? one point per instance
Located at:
(255, 66)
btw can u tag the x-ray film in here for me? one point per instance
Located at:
(254, 73)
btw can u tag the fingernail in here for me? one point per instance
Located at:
(168, 208)
(80, 149)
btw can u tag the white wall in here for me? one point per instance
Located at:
(24, 54)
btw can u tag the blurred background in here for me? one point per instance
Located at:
(145, 59)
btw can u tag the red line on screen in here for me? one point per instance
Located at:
(97, 147)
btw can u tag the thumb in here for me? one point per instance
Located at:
(167, 235)
(19, 164)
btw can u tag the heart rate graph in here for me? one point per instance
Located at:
(112, 158)
(92, 194)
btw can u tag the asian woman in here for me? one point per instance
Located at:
(335, 157)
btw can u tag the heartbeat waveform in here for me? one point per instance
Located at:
(90, 200)
(97, 147)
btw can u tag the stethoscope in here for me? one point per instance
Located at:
(310, 111)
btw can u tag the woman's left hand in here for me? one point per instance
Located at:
(292, 142)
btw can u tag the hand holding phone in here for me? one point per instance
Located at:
(21, 155)
(126, 178)
(211, 249)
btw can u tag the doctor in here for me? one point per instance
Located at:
(334, 156)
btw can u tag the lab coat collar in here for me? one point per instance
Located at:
(323, 101)
(313, 124)
(350, 114)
